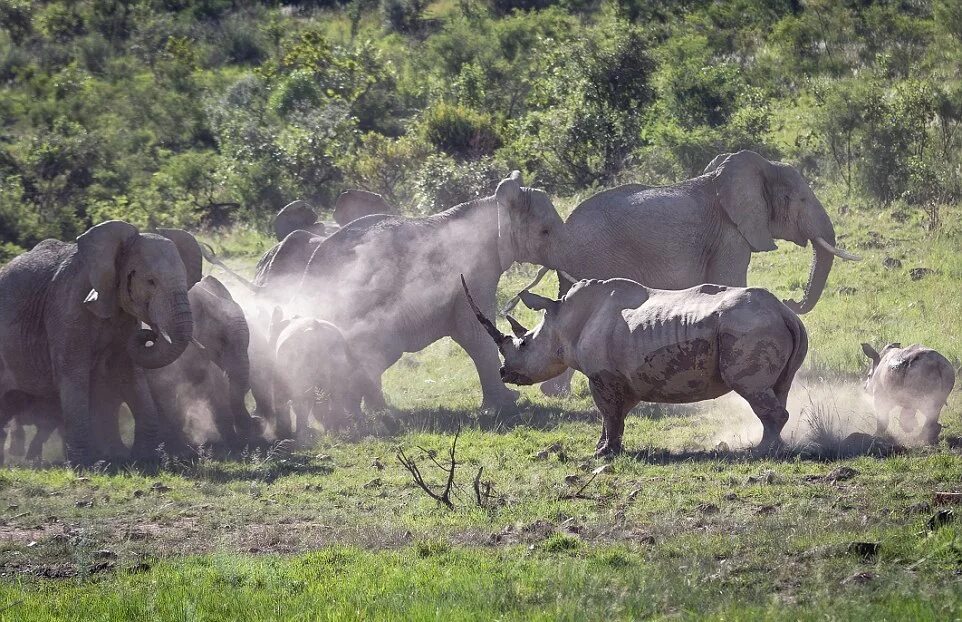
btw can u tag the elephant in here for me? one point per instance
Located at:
(312, 361)
(702, 230)
(354, 204)
(638, 344)
(214, 369)
(385, 283)
(297, 215)
(70, 325)
(22, 409)
(914, 379)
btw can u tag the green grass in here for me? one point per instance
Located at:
(673, 529)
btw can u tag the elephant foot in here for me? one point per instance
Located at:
(769, 446)
(18, 441)
(930, 433)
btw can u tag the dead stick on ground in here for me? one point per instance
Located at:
(412, 467)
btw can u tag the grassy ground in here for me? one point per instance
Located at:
(679, 527)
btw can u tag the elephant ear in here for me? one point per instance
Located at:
(100, 248)
(508, 197)
(293, 216)
(715, 163)
(354, 204)
(214, 286)
(189, 251)
(741, 185)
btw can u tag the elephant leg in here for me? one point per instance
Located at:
(75, 398)
(302, 407)
(728, 265)
(560, 385)
(484, 354)
(146, 421)
(105, 419)
(771, 411)
(44, 430)
(614, 401)
(18, 439)
(280, 407)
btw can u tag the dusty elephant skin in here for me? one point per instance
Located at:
(915, 379)
(385, 281)
(70, 327)
(640, 344)
(214, 367)
(311, 360)
(701, 230)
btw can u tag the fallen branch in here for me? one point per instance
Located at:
(412, 468)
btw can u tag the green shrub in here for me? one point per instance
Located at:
(459, 131)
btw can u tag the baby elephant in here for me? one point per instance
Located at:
(640, 344)
(915, 378)
(311, 357)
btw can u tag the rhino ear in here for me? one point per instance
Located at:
(870, 352)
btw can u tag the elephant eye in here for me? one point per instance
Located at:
(545, 231)
(151, 282)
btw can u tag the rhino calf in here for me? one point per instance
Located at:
(914, 379)
(638, 344)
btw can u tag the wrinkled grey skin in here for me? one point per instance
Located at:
(70, 323)
(702, 230)
(215, 368)
(314, 360)
(915, 379)
(671, 346)
(354, 204)
(387, 285)
(296, 215)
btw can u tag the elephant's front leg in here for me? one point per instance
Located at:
(146, 420)
(484, 354)
(75, 398)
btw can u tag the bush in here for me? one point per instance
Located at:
(459, 131)
(442, 183)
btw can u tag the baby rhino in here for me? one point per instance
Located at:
(915, 378)
(640, 344)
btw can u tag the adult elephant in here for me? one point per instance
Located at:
(70, 325)
(392, 285)
(214, 369)
(702, 230)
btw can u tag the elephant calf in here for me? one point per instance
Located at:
(312, 358)
(640, 344)
(916, 379)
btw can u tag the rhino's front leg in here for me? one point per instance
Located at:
(613, 398)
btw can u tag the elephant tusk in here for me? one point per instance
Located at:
(568, 276)
(517, 298)
(166, 337)
(836, 251)
(208, 252)
(198, 345)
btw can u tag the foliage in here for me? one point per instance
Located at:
(168, 111)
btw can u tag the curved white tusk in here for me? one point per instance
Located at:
(568, 276)
(166, 337)
(836, 251)
(198, 345)
(517, 298)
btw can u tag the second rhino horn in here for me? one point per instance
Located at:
(516, 327)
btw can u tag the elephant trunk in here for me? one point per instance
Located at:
(168, 336)
(822, 237)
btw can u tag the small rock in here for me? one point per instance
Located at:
(572, 479)
(859, 577)
(377, 464)
(99, 567)
(646, 538)
(765, 477)
(940, 519)
(766, 509)
(160, 487)
(138, 494)
(846, 290)
(105, 554)
(948, 498)
(634, 493)
(85, 503)
(841, 474)
(731, 497)
(31, 544)
(865, 550)
(374, 483)
(891, 263)
(707, 508)
(917, 274)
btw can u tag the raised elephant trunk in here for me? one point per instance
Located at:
(167, 338)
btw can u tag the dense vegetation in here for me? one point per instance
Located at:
(215, 111)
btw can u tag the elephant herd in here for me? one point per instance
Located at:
(125, 317)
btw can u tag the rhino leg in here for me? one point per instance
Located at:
(771, 412)
(614, 399)
(907, 419)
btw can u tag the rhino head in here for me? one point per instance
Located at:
(530, 356)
